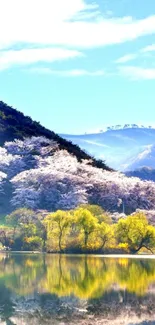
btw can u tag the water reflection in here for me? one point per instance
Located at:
(54, 289)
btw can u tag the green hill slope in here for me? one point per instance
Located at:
(14, 125)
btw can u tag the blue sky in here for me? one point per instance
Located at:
(79, 65)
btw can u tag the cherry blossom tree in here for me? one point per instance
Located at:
(3, 176)
(44, 177)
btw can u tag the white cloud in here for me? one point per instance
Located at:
(126, 58)
(137, 73)
(56, 22)
(149, 48)
(68, 73)
(132, 56)
(29, 56)
(64, 26)
(96, 143)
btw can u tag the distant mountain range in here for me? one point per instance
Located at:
(124, 148)
(145, 173)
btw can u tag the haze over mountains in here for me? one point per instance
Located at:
(124, 148)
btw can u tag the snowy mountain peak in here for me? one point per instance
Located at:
(120, 127)
(129, 126)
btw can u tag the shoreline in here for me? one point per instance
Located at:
(134, 256)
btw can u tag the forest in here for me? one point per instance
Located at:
(86, 229)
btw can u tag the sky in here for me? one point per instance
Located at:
(79, 65)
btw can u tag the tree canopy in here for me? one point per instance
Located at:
(136, 232)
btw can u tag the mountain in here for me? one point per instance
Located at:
(124, 148)
(14, 125)
(40, 170)
(146, 158)
(144, 173)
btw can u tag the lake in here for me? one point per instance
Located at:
(42, 289)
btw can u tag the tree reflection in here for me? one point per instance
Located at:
(82, 276)
(6, 304)
(78, 278)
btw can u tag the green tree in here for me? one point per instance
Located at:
(136, 232)
(19, 217)
(5, 236)
(86, 222)
(29, 230)
(58, 225)
(33, 243)
(13, 220)
(25, 223)
(105, 234)
(98, 212)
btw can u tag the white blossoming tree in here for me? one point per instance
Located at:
(44, 177)
(3, 176)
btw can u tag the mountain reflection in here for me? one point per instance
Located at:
(63, 287)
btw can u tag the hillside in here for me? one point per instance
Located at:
(14, 125)
(123, 147)
(35, 174)
(41, 170)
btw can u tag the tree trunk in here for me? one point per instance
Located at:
(103, 243)
(14, 231)
(85, 239)
(60, 238)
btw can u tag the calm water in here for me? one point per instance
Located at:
(53, 289)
